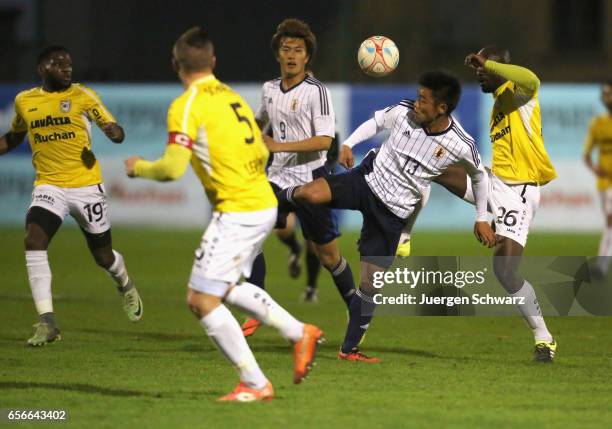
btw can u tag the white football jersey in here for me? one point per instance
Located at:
(299, 113)
(411, 158)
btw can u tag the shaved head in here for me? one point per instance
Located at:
(495, 53)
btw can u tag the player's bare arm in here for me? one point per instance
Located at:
(311, 144)
(114, 132)
(9, 141)
(346, 158)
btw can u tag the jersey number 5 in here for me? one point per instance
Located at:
(236, 106)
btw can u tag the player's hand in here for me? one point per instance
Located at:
(114, 132)
(475, 61)
(272, 146)
(599, 172)
(484, 233)
(129, 165)
(346, 158)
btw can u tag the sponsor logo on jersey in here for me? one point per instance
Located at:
(65, 106)
(43, 138)
(50, 121)
(498, 135)
(32, 109)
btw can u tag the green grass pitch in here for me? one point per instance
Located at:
(163, 372)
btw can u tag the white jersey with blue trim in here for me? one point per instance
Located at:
(411, 157)
(299, 113)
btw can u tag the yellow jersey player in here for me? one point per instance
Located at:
(211, 127)
(600, 137)
(57, 118)
(520, 167)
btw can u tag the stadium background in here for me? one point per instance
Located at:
(122, 50)
(163, 372)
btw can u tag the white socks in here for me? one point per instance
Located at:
(39, 275)
(532, 313)
(225, 333)
(258, 304)
(605, 250)
(118, 271)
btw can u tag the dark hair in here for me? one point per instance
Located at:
(194, 50)
(444, 86)
(294, 28)
(608, 82)
(46, 53)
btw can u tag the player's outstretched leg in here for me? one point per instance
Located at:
(41, 226)
(506, 263)
(113, 263)
(224, 331)
(261, 306)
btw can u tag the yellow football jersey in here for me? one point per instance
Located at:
(59, 130)
(519, 155)
(600, 137)
(228, 153)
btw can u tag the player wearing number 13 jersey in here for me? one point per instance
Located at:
(211, 127)
(57, 118)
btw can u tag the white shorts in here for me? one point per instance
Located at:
(513, 207)
(228, 248)
(87, 205)
(606, 201)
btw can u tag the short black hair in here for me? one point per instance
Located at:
(444, 86)
(194, 50)
(46, 53)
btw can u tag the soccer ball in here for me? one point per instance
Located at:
(378, 56)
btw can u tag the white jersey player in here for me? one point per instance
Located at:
(299, 109)
(389, 184)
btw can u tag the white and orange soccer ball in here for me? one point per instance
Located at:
(378, 56)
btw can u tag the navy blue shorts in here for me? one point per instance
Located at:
(381, 228)
(319, 223)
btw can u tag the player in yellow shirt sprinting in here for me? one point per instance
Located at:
(520, 167)
(57, 118)
(211, 127)
(600, 137)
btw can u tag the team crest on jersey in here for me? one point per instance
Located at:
(294, 105)
(439, 152)
(65, 106)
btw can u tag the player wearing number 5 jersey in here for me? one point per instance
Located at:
(211, 127)
(57, 118)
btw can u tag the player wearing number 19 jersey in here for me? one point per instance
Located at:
(57, 118)
(211, 127)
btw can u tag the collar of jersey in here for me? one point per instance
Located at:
(280, 85)
(203, 79)
(56, 92)
(439, 133)
(501, 88)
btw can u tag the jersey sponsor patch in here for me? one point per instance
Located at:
(180, 139)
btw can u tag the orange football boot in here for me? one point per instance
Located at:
(243, 393)
(304, 352)
(250, 326)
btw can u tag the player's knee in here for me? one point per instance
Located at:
(104, 258)
(507, 275)
(34, 241)
(329, 258)
(305, 193)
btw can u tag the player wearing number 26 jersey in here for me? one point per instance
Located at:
(211, 127)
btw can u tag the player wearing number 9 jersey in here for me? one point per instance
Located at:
(211, 127)
(57, 117)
